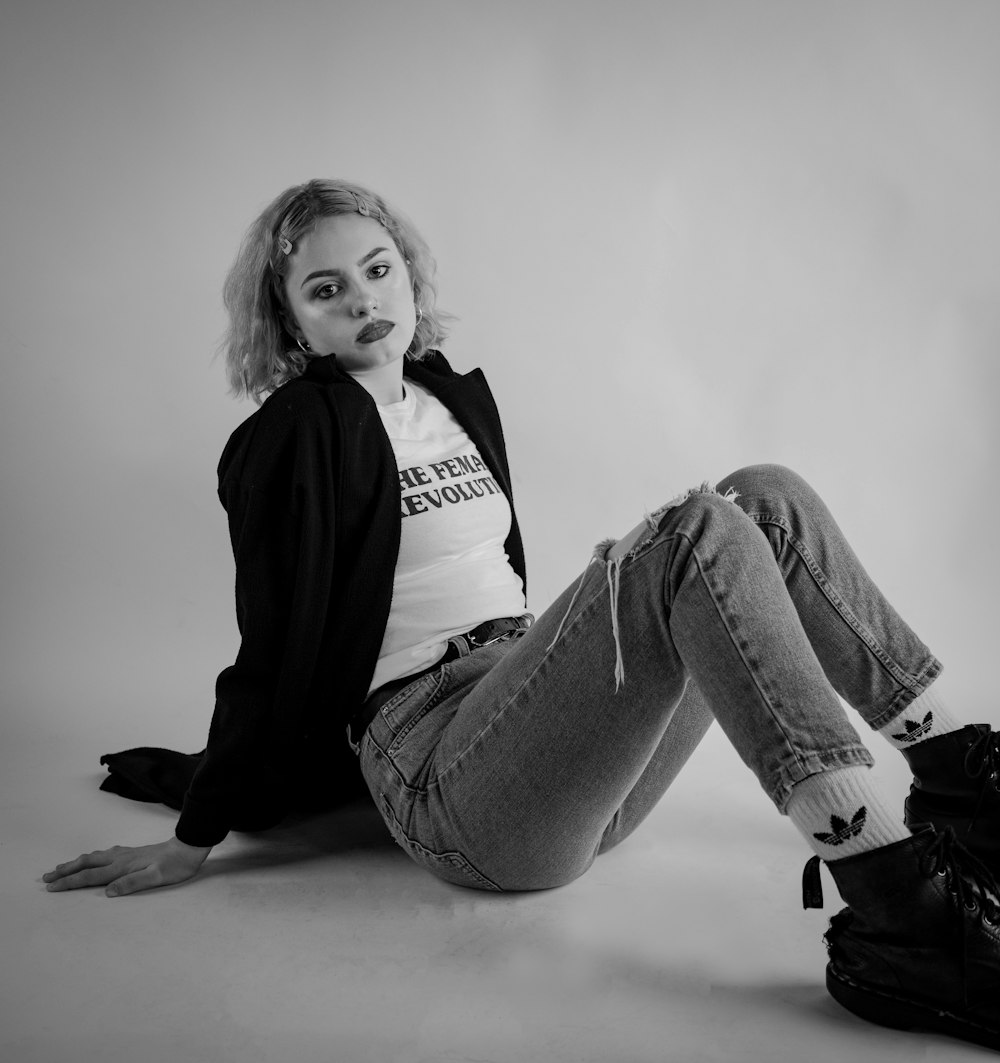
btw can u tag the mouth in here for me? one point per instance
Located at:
(374, 330)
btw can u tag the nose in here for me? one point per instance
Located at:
(364, 304)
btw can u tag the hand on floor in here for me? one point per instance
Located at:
(124, 869)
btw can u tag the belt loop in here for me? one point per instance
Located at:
(461, 645)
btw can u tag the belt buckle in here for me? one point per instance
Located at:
(476, 644)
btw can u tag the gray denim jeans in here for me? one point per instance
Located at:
(513, 767)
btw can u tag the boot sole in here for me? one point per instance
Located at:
(901, 1013)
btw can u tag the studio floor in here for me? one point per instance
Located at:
(320, 942)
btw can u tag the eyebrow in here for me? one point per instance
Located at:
(336, 272)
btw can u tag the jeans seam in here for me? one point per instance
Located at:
(931, 670)
(585, 607)
(433, 698)
(822, 581)
(783, 780)
(454, 858)
(751, 671)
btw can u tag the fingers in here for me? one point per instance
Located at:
(147, 879)
(90, 869)
(95, 859)
(128, 870)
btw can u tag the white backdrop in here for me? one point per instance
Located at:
(680, 237)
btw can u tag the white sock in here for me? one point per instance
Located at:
(843, 812)
(925, 717)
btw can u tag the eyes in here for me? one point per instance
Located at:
(332, 288)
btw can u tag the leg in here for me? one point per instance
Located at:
(521, 770)
(872, 659)
(852, 628)
(857, 634)
(532, 748)
(688, 723)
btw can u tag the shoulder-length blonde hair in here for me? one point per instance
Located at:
(260, 349)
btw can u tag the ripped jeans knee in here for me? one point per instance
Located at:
(605, 553)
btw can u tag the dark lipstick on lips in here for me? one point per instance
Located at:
(374, 330)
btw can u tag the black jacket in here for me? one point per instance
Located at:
(310, 486)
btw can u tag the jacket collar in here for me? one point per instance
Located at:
(466, 395)
(325, 370)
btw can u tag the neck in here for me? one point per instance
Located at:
(384, 383)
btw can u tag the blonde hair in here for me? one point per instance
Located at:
(259, 346)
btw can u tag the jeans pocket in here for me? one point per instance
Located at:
(451, 866)
(404, 710)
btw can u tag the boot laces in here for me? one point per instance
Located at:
(966, 876)
(983, 756)
(982, 760)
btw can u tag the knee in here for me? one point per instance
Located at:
(703, 512)
(712, 504)
(756, 484)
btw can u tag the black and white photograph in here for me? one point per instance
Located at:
(496, 531)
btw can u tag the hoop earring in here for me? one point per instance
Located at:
(303, 346)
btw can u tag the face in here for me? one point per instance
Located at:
(350, 293)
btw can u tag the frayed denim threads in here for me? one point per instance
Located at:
(613, 566)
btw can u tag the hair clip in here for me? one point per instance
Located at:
(285, 244)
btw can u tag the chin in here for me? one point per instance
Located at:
(375, 360)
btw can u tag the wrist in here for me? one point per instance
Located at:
(192, 850)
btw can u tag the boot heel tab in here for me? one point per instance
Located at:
(812, 885)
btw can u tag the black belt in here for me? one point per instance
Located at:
(482, 635)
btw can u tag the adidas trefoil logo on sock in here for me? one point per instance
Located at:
(915, 730)
(842, 830)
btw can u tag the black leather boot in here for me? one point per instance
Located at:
(956, 783)
(918, 946)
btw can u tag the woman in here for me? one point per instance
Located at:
(380, 589)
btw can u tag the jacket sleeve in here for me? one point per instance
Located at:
(283, 549)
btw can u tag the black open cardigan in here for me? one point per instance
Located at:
(310, 486)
